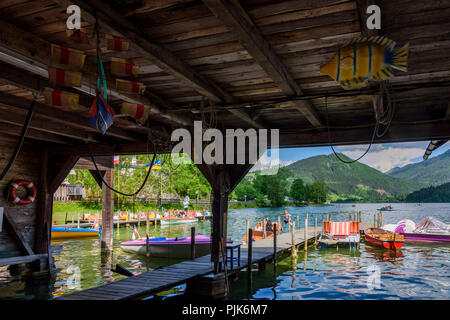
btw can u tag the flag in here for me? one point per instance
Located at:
(156, 165)
(60, 98)
(116, 159)
(123, 67)
(101, 114)
(139, 112)
(115, 43)
(96, 225)
(67, 56)
(126, 86)
(133, 237)
(64, 78)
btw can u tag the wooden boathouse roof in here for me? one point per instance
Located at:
(236, 64)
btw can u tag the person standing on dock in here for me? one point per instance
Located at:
(186, 204)
(287, 219)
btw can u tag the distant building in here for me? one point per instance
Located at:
(69, 192)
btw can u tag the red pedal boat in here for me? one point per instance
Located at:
(384, 238)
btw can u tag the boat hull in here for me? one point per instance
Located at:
(426, 237)
(73, 233)
(181, 251)
(351, 241)
(165, 221)
(392, 245)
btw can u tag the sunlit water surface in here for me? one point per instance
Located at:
(414, 272)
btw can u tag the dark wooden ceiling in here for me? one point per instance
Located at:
(248, 63)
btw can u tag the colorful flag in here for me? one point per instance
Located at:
(101, 114)
(133, 237)
(126, 86)
(139, 112)
(64, 78)
(67, 56)
(115, 43)
(61, 98)
(123, 67)
(116, 159)
(156, 165)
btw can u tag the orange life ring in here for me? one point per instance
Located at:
(22, 201)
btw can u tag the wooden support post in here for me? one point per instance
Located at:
(275, 229)
(315, 229)
(349, 217)
(147, 246)
(305, 239)
(147, 223)
(139, 219)
(247, 226)
(155, 218)
(298, 223)
(380, 220)
(293, 248)
(78, 220)
(107, 210)
(279, 222)
(118, 222)
(264, 228)
(249, 258)
(192, 243)
(375, 220)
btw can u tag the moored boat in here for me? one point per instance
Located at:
(177, 220)
(337, 234)
(386, 208)
(163, 247)
(429, 230)
(73, 233)
(384, 238)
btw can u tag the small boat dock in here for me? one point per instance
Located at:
(152, 282)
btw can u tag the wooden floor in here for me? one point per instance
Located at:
(152, 282)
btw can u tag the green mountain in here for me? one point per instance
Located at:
(431, 194)
(350, 182)
(434, 171)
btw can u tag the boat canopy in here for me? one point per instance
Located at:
(432, 225)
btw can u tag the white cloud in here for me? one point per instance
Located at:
(274, 163)
(384, 158)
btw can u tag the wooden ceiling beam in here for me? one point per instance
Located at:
(68, 120)
(117, 23)
(32, 53)
(15, 130)
(237, 20)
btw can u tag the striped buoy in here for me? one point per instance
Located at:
(14, 198)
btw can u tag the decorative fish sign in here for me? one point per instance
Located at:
(366, 58)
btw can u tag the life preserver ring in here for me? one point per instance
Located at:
(22, 201)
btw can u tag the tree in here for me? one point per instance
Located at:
(298, 190)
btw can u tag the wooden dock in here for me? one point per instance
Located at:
(152, 282)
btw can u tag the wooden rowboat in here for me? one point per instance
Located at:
(384, 238)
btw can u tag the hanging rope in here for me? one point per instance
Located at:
(332, 148)
(20, 141)
(388, 115)
(117, 191)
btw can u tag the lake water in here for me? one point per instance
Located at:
(414, 272)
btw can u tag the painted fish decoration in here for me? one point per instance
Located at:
(366, 58)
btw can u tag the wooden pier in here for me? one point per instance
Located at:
(152, 282)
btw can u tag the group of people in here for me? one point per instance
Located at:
(269, 224)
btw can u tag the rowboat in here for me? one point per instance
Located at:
(72, 233)
(337, 234)
(384, 238)
(386, 208)
(177, 220)
(170, 247)
(429, 230)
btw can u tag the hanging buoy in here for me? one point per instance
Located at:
(22, 201)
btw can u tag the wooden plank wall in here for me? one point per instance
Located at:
(26, 167)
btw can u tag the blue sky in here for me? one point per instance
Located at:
(382, 157)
